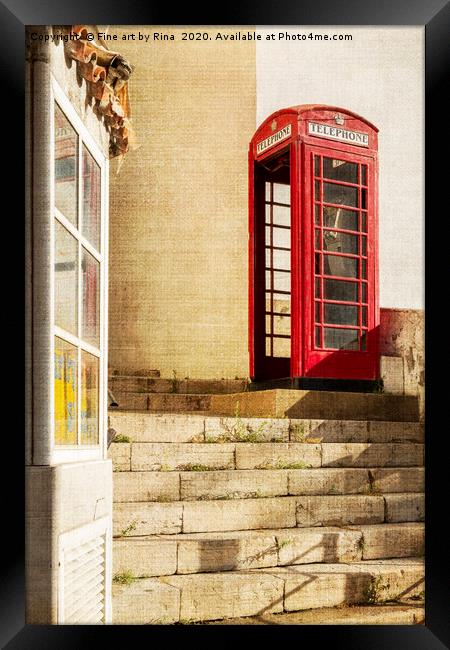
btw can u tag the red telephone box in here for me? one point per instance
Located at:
(313, 246)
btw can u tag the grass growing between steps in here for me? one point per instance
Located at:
(121, 438)
(124, 578)
(279, 464)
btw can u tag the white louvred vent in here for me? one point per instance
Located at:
(84, 575)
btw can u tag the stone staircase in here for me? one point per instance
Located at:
(220, 517)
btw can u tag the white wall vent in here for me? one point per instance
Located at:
(85, 574)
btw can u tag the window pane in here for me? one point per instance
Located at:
(316, 166)
(66, 168)
(340, 314)
(281, 259)
(340, 218)
(318, 343)
(317, 213)
(342, 266)
(281, 347)
(340, 170)
(341, 339)
(281, 281)
(281, 193)
(267, 191)
(66, 279)
(281, 215)
(89, 399)
(281, 303)
(339, 242)
(340, 194)
(91, 299)
(341, 290)
(91, 199)
(317, 291)
(281, 237)
(268, 325)
(317, 312)
(268, 346)
(317, 190)
(282, 325)
(364, 174)
(66, 390)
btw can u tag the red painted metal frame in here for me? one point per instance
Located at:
(306, 360)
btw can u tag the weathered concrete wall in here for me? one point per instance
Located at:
(178, 209)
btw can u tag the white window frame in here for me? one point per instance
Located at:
(79, 452)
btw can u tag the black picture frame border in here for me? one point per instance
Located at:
(434, 15)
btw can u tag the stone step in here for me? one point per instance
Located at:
(231, 551)
(279, 403)
(171, 456)
(215, 596)
(135, 486)
(178, 427)
(402, 613)
(143, 518)
(151, 384)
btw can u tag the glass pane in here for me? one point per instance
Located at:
(317, 190)
(317, 266)
(89, 399)
(364, 316)
(340, 218)
(281, 237)
(281, 215)
(281, 281)
(281, 259)
(317, 288)
(281, 193)
(318, 343)
(268, 207)
(364, 221)
(268, 232)
(317, 312)
(341, 290)
(317, 239)
(268, 257)
(66, 279)
(341, 339)
(341, 266)
(66, 168)
(364, 342)
(66, 393)
(340, 314)
(316, 166)
(267, 191)
(282, 325)
(364, 269)
(364, 174)
(91, 299)
(340, 194)
(268, 350)
(364, 246)
(339, 242)
(281, 347)
(268, 325)
(364, 292)
(91, 199)
(317, 214)
(281, 303)
(364, 199)
(268, 280)
(340, 170)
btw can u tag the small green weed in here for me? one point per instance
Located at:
(129, 529)
(121, 438)
(124, 578)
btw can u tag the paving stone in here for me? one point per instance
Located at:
(339, 510)
(392, 540)
(404, 507)
(145, 556)
(157, 456)
(398, 479)
(120, 454)
(232, 484)
(328, 481)
(396, 432)
(222, 595)
(157, 427)
(277, 455)
(147, 518)
(146, 486)
(308, 545)
(144, 602)
(239, 514)
(371, 455)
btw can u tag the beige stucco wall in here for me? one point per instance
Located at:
(178, 209)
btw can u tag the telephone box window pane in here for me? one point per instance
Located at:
(341, 290)
(268, 325)
(317, 269)
(339, 242)
(66, 279)
(364, 342)
(364, 292)
(281, 193)
(341, 339)
(364, 174)
(281, 281)
(340, 314)
(66, 168)
(281, 259)
(364, 316)
(268, 231)
(317, 239)
(346, 267)
(340, 218)
(281, 347)
(268, 280)
(317, 292)
(340, 194)
(282, 325)
(317, 312)
(316, 166)
(91, 199)
(66, 393)
(281, 237)
(318, 341)
(317, 190)
(268, 257)
(91, 299)
(363, 222)
(317, 214)
(89, 399)
(281, 303)
(364, 246)
(340, 170)
(364, 199)
(268, 346)
(364, 269)
(281, 215)
(267, 191)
